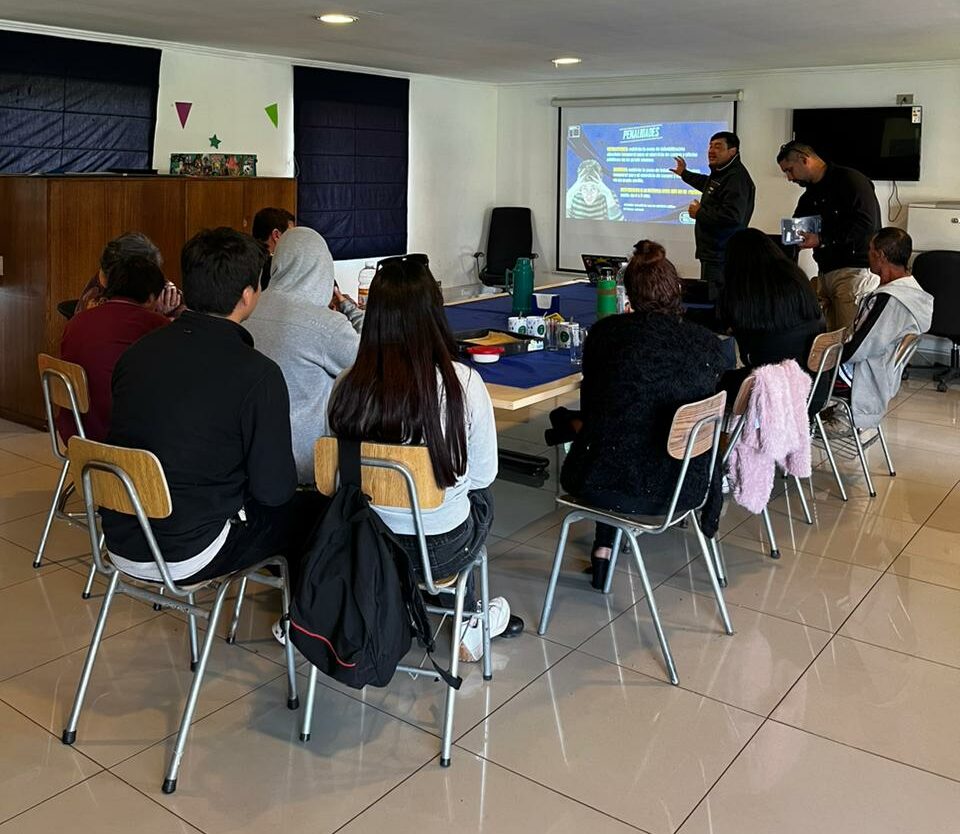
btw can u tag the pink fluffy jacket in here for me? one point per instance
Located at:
(777, 432)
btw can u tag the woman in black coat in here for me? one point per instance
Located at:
(638, 369)
(769, 306)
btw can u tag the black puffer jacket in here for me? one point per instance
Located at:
(638, 368)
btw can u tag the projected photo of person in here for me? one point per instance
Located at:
(590, 198)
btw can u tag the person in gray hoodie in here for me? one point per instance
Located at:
(295, 326)
(899, 306)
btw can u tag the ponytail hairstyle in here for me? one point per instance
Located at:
(391, 394)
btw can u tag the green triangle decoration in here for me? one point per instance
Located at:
(271, 110)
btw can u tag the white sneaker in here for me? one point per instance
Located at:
(471, 646)
(277, 629)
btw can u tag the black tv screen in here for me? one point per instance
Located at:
(882, 143)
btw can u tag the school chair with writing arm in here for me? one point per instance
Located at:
(64, 385)
(402, 477)
(132, 481)
(695, 431)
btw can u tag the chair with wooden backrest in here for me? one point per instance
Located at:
(824, 362)
(695, 431)
(855, 444)
(402, 477)
(64, 385)
(132, 481)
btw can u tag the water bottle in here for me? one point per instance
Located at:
(363, 283)
(621, 291)
(606, 294)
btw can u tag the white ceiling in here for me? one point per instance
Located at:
(514, 40)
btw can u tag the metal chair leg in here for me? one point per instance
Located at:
(451, 700)
(192, 635)
(554, 576)
(91, 575)
(293, 699)
(237, 608)
(719, 563)
(614, 553)
(485, 616)
(170, 782)
(652, 605)
(54, 506)
(714, 580)
(807, 517)
(308, 707)
(833, 461)
(69, 735)
(774, 550)
(886, 452)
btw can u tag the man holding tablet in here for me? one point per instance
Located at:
(725, 207)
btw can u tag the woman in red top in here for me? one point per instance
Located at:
(96, 338)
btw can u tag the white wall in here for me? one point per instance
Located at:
(527, 126)
(453, 145)
(229, 94)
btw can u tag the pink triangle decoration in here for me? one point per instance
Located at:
(183, 112)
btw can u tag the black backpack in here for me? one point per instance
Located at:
(358, 606)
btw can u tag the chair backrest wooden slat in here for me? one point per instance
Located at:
(141, 466)
(686, 419)
(385, 487)
(58, 391)
(821, 344)
(743, 397)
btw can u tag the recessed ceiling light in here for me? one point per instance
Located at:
(564, 62)
(336, 18)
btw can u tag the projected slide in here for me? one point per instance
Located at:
(620, 172)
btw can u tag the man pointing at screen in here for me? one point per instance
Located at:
(725, 207)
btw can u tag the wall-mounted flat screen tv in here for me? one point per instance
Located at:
(882, 143)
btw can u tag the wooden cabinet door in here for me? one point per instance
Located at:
(267, 192)
(212, 203)
(154, 207)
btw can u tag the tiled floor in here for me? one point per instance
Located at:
(834, 708)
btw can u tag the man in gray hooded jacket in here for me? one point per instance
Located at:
(899, 306)
(294, 325)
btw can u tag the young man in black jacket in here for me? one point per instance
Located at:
(725, 207)
(220, 428)
(846, 203)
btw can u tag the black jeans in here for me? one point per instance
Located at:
(268, 531)
(452, 551)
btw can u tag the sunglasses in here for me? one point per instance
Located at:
(414, 258)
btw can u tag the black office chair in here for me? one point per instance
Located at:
(938, 272)
(68, 308)
(510, 237)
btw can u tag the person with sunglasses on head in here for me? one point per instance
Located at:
(294, 325)
(405, 387)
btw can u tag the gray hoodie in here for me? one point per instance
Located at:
(311, 343)
(875, 378)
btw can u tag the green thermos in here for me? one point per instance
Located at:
(606, 297)
(520, 284)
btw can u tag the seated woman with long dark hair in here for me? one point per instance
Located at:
(769, 306)
(638, 368)
(405, 387)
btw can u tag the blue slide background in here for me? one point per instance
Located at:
(670, 140)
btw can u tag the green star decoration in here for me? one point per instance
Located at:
(214, 141)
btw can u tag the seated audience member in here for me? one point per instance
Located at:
(215, 412)
(638, 368)
(128, 245)
(311, 343)
(97, 337)
(899, 306)
(405, 387)
(769, 306)
(268, 226)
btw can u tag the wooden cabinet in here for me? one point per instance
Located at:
(53, 231)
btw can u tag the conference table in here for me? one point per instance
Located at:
(524, 379)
